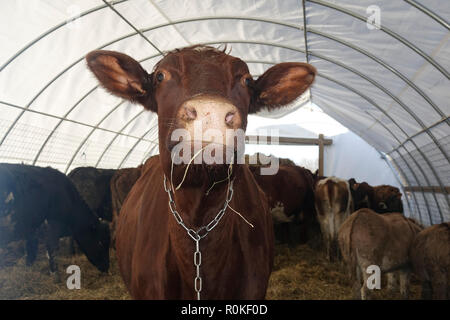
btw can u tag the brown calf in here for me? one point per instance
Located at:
(387, 198)
(367, 238)
(333, 202)
(162, 225)
(430, 258)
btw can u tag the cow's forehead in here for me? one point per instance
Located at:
(204, 56)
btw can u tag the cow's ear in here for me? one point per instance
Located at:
(122, 76)
(281, 85)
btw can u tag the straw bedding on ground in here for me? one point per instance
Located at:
(299, 273)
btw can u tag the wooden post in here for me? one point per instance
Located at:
(321, 140)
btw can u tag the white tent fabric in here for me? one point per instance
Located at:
(390, 85)
(369, 165)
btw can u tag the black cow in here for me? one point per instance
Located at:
(35, 199)
(94, 187)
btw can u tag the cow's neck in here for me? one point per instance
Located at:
(201, 192)
(200, 204)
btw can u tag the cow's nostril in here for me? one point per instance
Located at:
(191, 113)
(229, 118)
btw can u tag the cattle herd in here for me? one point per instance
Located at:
(208, 230)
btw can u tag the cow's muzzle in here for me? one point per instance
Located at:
(211, 119)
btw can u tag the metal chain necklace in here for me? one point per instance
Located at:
(200, 233)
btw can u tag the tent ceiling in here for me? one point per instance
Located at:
(389, 85)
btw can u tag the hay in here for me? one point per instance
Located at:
(302, 273)
(35, 282)
(299, 273)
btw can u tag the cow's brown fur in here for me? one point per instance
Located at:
(368, 238)
(158, 238)
(362, 194)
(292, 188)
(155, 254)
(430, 257)
(121, 183)
(387, 198)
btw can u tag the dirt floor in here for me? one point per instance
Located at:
(299, 273)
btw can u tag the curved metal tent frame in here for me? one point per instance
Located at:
(444, 119)
(254, 19)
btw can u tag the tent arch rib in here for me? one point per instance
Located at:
(395, 137)
(429, 13)
(446, 119)
(387, 31)
(15, 106)
(88, 136)
(134, 146)
(47, 139)
(51, 30)
(114, 139)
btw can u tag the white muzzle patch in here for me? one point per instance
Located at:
(9, 198)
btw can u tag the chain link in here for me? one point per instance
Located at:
(197, 264)
(200, 233)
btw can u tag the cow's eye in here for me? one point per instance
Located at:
(247, 80)
(160, 76)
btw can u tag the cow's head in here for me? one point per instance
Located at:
(94, 241)
(8, 194)
(388, 199)
(362, 194)
(201, 90)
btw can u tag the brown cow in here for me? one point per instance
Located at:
(93, 186)
(157, 238)
(367, 238)
(121, 183)
(362, 194)
(381, 199)
(333, 202)
(387, 198)
(430, 258)
(291, 200)
(257, 159)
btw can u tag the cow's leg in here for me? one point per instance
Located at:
(327, 241)
(426, 290)
(364, 290)
(404, 276)
(284, 226)
(439, 285)
(31, 246)
(336, 251)
(392, 281)
(52, 245)
(366, 293)
(357, 283)
(295, 233)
